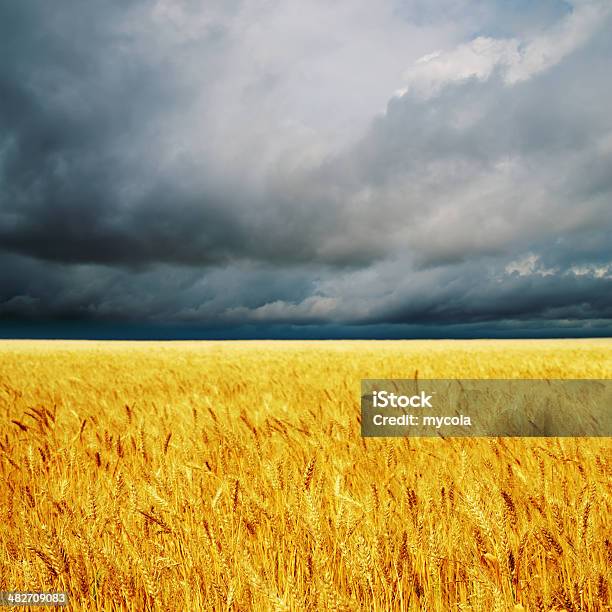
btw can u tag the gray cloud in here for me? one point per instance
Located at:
(165, 163)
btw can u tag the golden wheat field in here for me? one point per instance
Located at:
(232, 476)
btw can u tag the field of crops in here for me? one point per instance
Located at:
(232, 476)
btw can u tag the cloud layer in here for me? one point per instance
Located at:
(248, 163)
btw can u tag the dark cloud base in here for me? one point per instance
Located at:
(503, 330)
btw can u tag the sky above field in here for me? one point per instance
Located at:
(305, 168)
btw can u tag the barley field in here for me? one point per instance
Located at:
(232, 476)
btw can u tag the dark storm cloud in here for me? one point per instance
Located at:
(40, 291)
(85, 171)
(548, 298)
(160, 164)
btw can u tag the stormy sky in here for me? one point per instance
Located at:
(306, 168)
